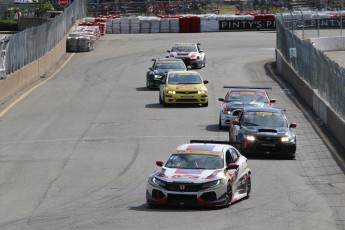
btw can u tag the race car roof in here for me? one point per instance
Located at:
(184, 72)
(263, 109)
(247, 90)
(199, 148)
(169, 60)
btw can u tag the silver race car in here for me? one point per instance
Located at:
(190, 53)
(239, 97)
(202, 173)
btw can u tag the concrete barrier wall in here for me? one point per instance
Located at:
(328, 43)
(332, 120)
(31, 73)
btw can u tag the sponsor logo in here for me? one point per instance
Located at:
(247, 24)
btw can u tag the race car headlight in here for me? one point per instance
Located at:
(170, 92)
(211, 184)
(249, 137)
(157, 76)
(287, 139)
(157, 182)
(226, 112)
(202, 92)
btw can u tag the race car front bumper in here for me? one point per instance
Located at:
(204, 198)
(226, 119)
(154, 82)
(186, 98)
(275, 149)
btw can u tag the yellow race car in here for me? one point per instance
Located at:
(183, 87)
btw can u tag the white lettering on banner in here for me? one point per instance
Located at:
(246, 24)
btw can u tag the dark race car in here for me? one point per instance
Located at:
(159, 69)
(239, 97)
(264, 131)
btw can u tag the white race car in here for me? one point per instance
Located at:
(190, 53)
(202, 173)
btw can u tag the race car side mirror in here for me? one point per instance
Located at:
(232, 166)
(159, 163)
(220, 99)
(235, 122)
(272, 100)
(168, 51)
(151, 68)
(293, 125)
(205, 82)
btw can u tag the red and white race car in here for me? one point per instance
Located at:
(202, 173)
(190, 53)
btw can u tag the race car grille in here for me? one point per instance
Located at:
(209, 196)
(183, 187)
(268, 139)
(187, 100)
(178, 199)
(186, 92)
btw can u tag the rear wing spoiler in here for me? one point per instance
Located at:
(215, 142)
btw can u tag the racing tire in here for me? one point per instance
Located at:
(248, 186)
(148, 83)
(229, 195)
(205, 104)
(220, 124)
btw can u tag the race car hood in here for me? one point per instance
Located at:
(186, 87)
(188, 175)
(262, 130)
(164, 71)
(239, 105)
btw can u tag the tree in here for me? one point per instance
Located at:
(43, 6)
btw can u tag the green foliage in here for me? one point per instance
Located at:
(8, 25)
(43, 6)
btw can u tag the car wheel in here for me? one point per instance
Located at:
(205, 104)
(220, 124)
(204, 62)
(165, 104)
(147, 83)
(292, 156)
(228, 195)
(249, 186)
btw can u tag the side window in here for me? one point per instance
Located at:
(228, 157)
(234, 155)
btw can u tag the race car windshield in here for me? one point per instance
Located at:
(264, 119)
(247, 98)
(195, 161)
(176, 79)
(176, 66)
(184, 49)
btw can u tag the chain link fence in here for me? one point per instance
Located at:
(32, 43)
(322, 74)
